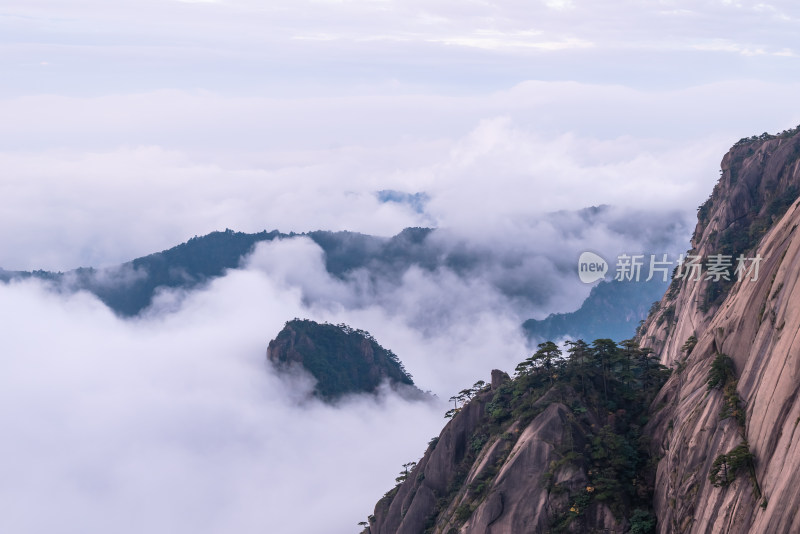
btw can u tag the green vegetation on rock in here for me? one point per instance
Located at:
(342, 359)
(603, 390)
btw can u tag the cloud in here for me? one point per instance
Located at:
(452, 306)
(171, 422)
(521, 40)
(154, 121)
(99, 181)
(174, 424)
(299, 263)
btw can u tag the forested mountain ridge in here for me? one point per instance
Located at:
(374, 266)
(613, 309)
(129, 288)
(342, 360)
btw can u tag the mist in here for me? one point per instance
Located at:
(175, 424)
(172, 421)
(106, 184)
(524, 133)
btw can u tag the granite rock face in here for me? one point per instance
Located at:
(756, 324)
(441, 494)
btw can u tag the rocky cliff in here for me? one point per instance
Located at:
(557, 449)
(725, 425)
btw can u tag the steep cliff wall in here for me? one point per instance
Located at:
(752, 211)
(501, 485)
(759, 181)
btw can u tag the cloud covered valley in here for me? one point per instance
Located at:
(520, 133)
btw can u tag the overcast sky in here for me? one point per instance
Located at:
(128, 127)
(282, 47)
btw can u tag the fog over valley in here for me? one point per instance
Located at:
(180, 178)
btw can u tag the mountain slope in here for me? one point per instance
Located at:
(129, 288)
(613, 310)
(557, 449)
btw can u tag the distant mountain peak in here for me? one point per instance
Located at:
(343, 360)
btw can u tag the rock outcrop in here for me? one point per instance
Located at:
(341, 359)
(540, 453)
(755, 323)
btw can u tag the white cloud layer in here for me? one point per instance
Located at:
(128, 127)
(174, 424)
(97, 181)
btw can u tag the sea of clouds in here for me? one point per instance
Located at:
(129, 127)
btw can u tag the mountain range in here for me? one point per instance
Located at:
(376, 265)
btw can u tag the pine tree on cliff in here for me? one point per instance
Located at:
(579, 359)
(605, 355)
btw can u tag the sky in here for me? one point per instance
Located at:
(129, 127)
